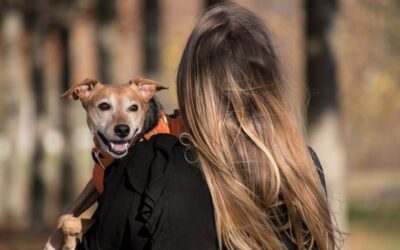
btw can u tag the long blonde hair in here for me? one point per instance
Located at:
(252, 153)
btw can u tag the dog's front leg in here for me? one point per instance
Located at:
(72, 227)
(86, 198)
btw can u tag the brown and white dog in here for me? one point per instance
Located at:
(117, 115)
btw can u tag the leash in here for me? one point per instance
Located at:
(167, 124)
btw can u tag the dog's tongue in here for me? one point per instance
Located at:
(119, 147)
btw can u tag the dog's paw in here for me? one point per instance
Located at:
(72, 225)
(62, 220)
(65, 236)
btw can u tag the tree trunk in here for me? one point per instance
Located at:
(325, 132)
(173, 37)
(105, 31)
(83, 63)
(20, 120)
(151, 37)
(128, 55)
(53, 141)
(66, 172)
(37, 186)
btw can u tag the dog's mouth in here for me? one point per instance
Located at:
(117, 147)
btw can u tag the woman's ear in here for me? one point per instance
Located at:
(146, 87)
(81, 90)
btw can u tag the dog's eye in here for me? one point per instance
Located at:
(104, 106)
(133, 108)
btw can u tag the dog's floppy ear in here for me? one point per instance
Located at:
(146, 87)
(80, 90)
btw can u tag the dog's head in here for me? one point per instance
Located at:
(115, 112)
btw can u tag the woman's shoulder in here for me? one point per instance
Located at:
(179, 163)
(179, 197)
(172, 149)
(152, 159)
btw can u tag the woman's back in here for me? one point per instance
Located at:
(156, 199)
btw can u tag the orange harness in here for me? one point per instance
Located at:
(167, 124)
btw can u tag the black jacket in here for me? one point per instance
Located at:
(155, 199)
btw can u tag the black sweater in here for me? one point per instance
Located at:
(155, 199)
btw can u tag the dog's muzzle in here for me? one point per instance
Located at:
(117, 147)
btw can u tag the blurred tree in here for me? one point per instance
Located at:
(126, 43)
(44, 18)
(151, 37)
(105, 16)
(323, 110)
(35, 24)
(320, 59)
(27, 27)
(19, 128)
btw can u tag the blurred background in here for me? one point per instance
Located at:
(340, 57)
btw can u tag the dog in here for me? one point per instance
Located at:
(118, 115)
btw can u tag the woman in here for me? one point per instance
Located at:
(242, 177)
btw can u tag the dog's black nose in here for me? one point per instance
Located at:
(121, 130)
